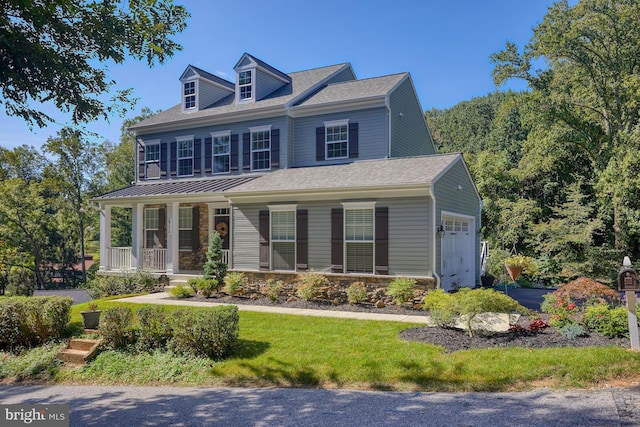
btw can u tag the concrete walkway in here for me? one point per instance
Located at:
(497, 322)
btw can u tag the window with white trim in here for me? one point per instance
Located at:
(185, 227)
(185, 157)
(261, 150)
(189, 94)
(283, 239)
(359, 239)
(245, 85)
(152, 160)
(221, 143)
(337, 139)
(152, 228)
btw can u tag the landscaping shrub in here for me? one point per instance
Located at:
(39, 364)
(610, 322)
(445, 309)
(356, 293)
(108, 285)
(309, 285)
(401, 290)
(214, 268)
(155, 330)
(30, 321)
(181, 291)
(562, 309)
(210, 332)
(116, 327)
(572, 331)
(272, 289)
(233, 282)
(585, 291)
(205, 287)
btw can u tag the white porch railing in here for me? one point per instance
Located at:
(120, 258)
(225, 256)
(154, 259)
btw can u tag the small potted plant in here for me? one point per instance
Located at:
(515, 264)
(91, 317)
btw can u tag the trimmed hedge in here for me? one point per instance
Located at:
(31, 321)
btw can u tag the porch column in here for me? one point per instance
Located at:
(105, 237)
(173, 211)
(137, 235)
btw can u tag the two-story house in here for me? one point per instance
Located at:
(309, 170)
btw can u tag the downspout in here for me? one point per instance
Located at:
(388, 106)
(435, 237)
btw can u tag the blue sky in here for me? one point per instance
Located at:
(445, 45)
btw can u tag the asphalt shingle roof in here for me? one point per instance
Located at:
(178, 187)
(354, 89)
(214, 78)
(362, 174)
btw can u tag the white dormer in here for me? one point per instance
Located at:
(256, 79)
(200, 89)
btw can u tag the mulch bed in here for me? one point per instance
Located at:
(451, 339)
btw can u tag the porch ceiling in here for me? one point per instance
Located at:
(175, 188)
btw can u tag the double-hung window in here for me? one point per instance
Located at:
(261, 148)
(152, 160)
(152, 228)
(185, 227)
(359, 237)
(185, 157)
(221, 152)
(189, 94)
(283, 237)
(245, 85)
(337, 139)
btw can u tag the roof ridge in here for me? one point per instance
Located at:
(319, 68)
(368, 78)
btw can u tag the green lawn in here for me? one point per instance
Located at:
(295, 351)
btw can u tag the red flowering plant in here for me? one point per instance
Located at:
(567, 304)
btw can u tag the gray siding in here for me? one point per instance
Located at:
(245, 238)
(265, 84)
(464, 201)
(409, 231)
(409, 133)
(209, 93)
(372, 136)
(287, 144)
(235, 128)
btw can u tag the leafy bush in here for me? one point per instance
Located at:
(309, 285)
(155, 330)
(210, 332)
(205, 287)
(572, 331)
(401, 290)
(181, 291)
(116, 327)
(445, 309)
(562, 309)
(537, 325)
(108, 285)
(233, 282)
(356, 293)
(587, 291)
(272, 289)
(610, 322)
(30, 321)
(20, 282)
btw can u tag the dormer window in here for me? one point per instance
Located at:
(245, 85)
(189, 95)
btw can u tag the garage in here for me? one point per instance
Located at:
(458, 251)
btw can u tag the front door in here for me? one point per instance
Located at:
(457, 252)
(222, 226)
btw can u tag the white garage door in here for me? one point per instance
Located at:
(458, 254)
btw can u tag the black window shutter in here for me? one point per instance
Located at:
(246, 152)
(302, 240)
(234, 152)
(353, 140)
(264, 240)
(141, 159)
(275, 148)
(207, 155)
(174, 158)
(164, 153)
(382, 240)
(162, 229)
(195, 229)
(197, 156)
(337, 245)
(320, 143)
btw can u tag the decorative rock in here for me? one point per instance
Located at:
(335, 301)
(291, 299)
(380, 304)
(254, 296)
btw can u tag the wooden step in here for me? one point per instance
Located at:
(79, 351)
